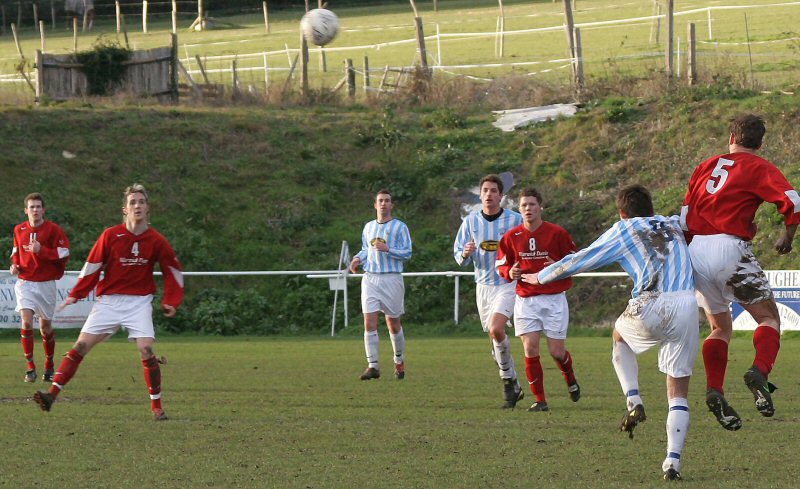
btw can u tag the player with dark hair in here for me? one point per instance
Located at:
(39, 258)
(539, 309)
(724, 193)
(385, 247)
(126, 254)
(662, 310)
(476, 242)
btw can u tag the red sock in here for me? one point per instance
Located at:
(566, 368)
(27, 346)
(49, 344)
(715, 359)
(533, 369)
(152, 377)
(69, 365)
(767, 342)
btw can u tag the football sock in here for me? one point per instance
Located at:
(677, 428)
(715, 359)
(566, 367)
(627, 368)
(152, 377)
(533, 369)
(69, 365)
(502, 353)
(371, 347)
(399, 346)
(49, 343)
(26, 337)
(767, 342)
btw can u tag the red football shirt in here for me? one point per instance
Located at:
(50, 262)
(534, 251)
(127, 261)
(725, 192)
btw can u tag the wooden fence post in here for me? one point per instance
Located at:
(41, 33)
(119, 14)
(670, 36)
(304, 63)
(351, 77)
(579, 81)
(423, 53)
(174, 17)
(39, 76)
(691, 72)
(570, 34)
(173, 66)
(710, 34)
(202, 69)
(235, 77)
(75, 34)
(35, 16)
(502, 45)
(366, 75)
(16, 41)
(144, 16)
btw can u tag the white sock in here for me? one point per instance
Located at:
(399, 345)
(677, 428)
(371, 347)
(627, 368)
(502, 354)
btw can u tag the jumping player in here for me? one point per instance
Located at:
(724, 193)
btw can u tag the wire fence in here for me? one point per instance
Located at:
(757, 40)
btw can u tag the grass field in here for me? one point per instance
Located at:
(256, 412)
(619, 39)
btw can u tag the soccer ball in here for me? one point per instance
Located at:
(319, 26)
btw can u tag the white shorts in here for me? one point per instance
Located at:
(667, 319)
(725, 271)
(132, 312)
(39, 297)
(495, 299)
(383, 292)
(548, 313)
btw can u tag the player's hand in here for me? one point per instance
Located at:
(530, 278)
(34, 247)
(469, 249)
(67, 302)
(515, 273)
(354, 264)
(381, 246)
(169, 311)
(784, 245)
(13, 269)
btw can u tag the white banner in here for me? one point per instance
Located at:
(72, 317)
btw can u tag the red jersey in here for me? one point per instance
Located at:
(127, 261)
(725, 192)
(50, 262)
(534, 251)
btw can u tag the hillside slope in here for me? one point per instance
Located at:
(246, 188)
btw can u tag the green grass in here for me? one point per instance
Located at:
(621, 49)
(257, 412)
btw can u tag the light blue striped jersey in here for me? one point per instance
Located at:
(487, 235)
(395, 234)
(652, 250)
